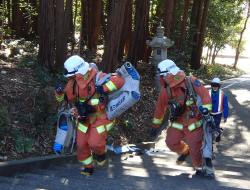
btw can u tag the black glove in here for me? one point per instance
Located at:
(218, 138)
(100, 89)
(154, 132)
(59, 88)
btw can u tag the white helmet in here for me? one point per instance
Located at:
(74, 65)
(215, 81)
(168, 66)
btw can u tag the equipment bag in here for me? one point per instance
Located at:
(66, 136)
(124, 98)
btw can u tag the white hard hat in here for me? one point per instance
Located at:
(216, 81)
(74, 65)
(168, 66)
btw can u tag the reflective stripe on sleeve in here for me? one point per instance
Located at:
(94, 101)
(195, 125)
(157, 121)
(111, 86)
(60, 98)
(208, 106)
(82, 127)
(81, 100)
(189, 102)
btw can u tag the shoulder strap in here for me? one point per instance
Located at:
(190, 88)
(169, 93)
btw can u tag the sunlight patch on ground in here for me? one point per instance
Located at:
(241, 96)
(241, 160)
(138, 172)
(235, 183)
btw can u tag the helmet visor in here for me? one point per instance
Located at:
(215, 85)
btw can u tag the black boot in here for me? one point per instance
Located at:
(209, 169)
(101, 159)
(182, 158)
(87, 171)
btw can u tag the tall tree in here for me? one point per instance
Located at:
(94, 23)
(126, 31)
(83, 30)
(115, 25)
(138, 48)
(183, 24)
(202, 32)
(60, 34)
(241, 35)
(16, 19)
(34, 17)
(62, 29)
(46, 34)
(197, 29)
(169, 16)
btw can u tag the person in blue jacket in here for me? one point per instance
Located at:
(219, 103)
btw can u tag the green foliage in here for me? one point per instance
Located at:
(23, 144)
(209, 71)
(4, 119)
(223, 18)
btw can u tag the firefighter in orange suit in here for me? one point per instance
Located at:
(186, 120)
(92, 121)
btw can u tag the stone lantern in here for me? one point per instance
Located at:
(159, 45)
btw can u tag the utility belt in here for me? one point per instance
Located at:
(100, 129)
(191, 127)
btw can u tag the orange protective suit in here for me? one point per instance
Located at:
(188, 124)
(92, 132)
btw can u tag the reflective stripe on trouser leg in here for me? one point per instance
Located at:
(102, 128)
(177, 125)
(109, 126)
(87, 161)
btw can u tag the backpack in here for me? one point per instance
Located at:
(66, 138)
(125, 97)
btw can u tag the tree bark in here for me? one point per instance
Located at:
(73, 42)
(168, 16)
(198, 26)
(138, 48)
(183, 24)
(115, 25)
(60, 34)
(126, 31)
(202, 32)
(94, 23)
(68, 19)
(16, 19)
(46, 34)
(83, 26)
(241, 35)
(34, 25)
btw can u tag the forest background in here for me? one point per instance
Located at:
(37, 36)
